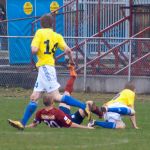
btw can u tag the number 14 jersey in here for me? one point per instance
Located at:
(47, 41)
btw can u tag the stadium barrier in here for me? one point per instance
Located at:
(94, 59)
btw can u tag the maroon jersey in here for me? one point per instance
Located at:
(53, 118)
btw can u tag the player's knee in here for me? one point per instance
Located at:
(132, 112)
(66, 93)
(120, 125)
(82, 113)
(90, 102)
(34, 97)
(56, 97)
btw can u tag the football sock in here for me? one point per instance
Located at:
(97, 111)
(110, 125)
(73, 102)
(69, 85)
(120, 110)
(72, 71)
(30, 109)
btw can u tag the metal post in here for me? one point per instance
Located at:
(85, 48)
(36, 24)
(85, 21)
(131, 17)
(129, 68)
(76, 27)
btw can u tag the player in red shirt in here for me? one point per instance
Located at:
(54, 117)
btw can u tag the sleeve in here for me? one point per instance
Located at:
(37, 39)
(131, 97)
(63, 119)
(37, 118)
(61, 42)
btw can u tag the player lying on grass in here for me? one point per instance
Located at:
(44, 45)
(121, 105)
(54, 117)
(76, 118)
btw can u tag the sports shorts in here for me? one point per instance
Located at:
(112, 116)
(76, 117)
(46, 80)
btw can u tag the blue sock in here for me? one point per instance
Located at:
(120, 110)
(73, 102)
(30, 109)
(110, 125)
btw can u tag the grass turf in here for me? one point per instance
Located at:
(12, 105)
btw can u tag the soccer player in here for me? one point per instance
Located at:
(121, 105)
(54, 117)
(44, 45)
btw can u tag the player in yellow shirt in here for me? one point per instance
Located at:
(44, 45)
(121, 104)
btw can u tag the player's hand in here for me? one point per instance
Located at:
(27, 126)
(136, 127)
(91, 128)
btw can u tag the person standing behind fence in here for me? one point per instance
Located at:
(44, 45)
(2, 17)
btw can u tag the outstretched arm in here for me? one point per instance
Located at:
(133, 121)
(74, 125)
(32, 125)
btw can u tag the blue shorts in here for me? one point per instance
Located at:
(76, 117)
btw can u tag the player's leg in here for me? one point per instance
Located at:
(31, 107)
(95, 109)
(111, 121)
(65, 108)
(72, 70)
(66, 99)
(38, 89)
(52, 89)
(69, 85)
(106, 124)
(103, 124)
(120, 125)
(29, 110)
(78, 116)
(71, 80)
(119, 108)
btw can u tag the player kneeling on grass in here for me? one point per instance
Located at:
(121, 105)
(54, 117)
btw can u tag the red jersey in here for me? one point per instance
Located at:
(53, 118)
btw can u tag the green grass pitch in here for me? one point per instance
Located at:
(13, 101)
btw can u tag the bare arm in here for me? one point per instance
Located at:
(34, 49)
(69, 53)
(133, 121)
(74, 125)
